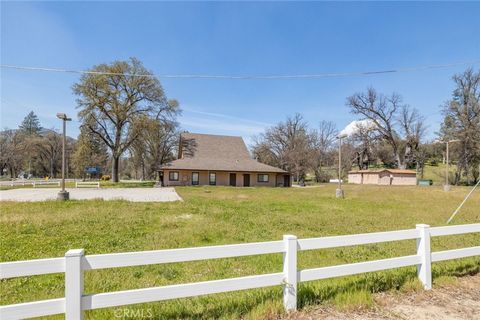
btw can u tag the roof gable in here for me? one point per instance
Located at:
(215, 153)
(377, 171)
(202, 146)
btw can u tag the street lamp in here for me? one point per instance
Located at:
(339, 192)
(63, 194)
(446, 186)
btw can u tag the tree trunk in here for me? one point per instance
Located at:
(400, 164)
(115, 161)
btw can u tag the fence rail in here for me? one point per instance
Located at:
(39, 183)
(20, 183)
(87, 184)
(75, 263)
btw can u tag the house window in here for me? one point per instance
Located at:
(262, 177)
(173, 176)
(195, 178)
(212, 178)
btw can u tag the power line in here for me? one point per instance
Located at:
(246, 77)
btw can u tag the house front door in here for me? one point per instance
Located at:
(246, 180)
(161, 178)
(286, 180)
(233, 179)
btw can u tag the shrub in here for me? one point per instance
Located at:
(105, 177)
(324, 177)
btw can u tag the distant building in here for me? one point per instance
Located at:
(383, 177)
(205, 159)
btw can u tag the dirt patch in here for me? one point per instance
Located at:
(459, 300)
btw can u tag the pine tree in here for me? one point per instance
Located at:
(29, 130)
(30, 124)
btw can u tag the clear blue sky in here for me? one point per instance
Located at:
(238, 39)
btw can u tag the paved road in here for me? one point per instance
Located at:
(129, 194)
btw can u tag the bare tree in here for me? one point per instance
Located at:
(285, 145)
(162, 142)
(383, 112)
(322, 141)
(116, 100)
(462, 122)
(364, 140)
(413, 128)
(48, 148)
(155, 146)
(4, 145)
(11, 154)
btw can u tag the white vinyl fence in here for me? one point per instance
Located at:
(15, 183)
(35, 183)
(87, 184)
(75, 263)
(39, 183)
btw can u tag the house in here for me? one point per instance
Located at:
(205, 159)
(397, 177)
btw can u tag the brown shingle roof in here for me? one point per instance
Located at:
(215, 152)
(381, 170)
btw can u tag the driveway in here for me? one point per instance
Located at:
(129, 194)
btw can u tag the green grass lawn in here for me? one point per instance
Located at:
(437, 173)
(224, 215)
(127, 184)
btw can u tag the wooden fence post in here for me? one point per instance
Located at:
(73, 284)
(290, 272)
(424, 269)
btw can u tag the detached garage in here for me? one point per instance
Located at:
(386, 177)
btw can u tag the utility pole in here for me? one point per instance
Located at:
(447, 171)
(339, 193)
(446, 186)
(63, 194)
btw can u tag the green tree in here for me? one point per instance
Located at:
(30, 124)
(89, 150)
(30, 130)
(155, 146)
(115, 100)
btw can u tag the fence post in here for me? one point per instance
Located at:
(73, 284)
(290, 272)
(424, 269)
